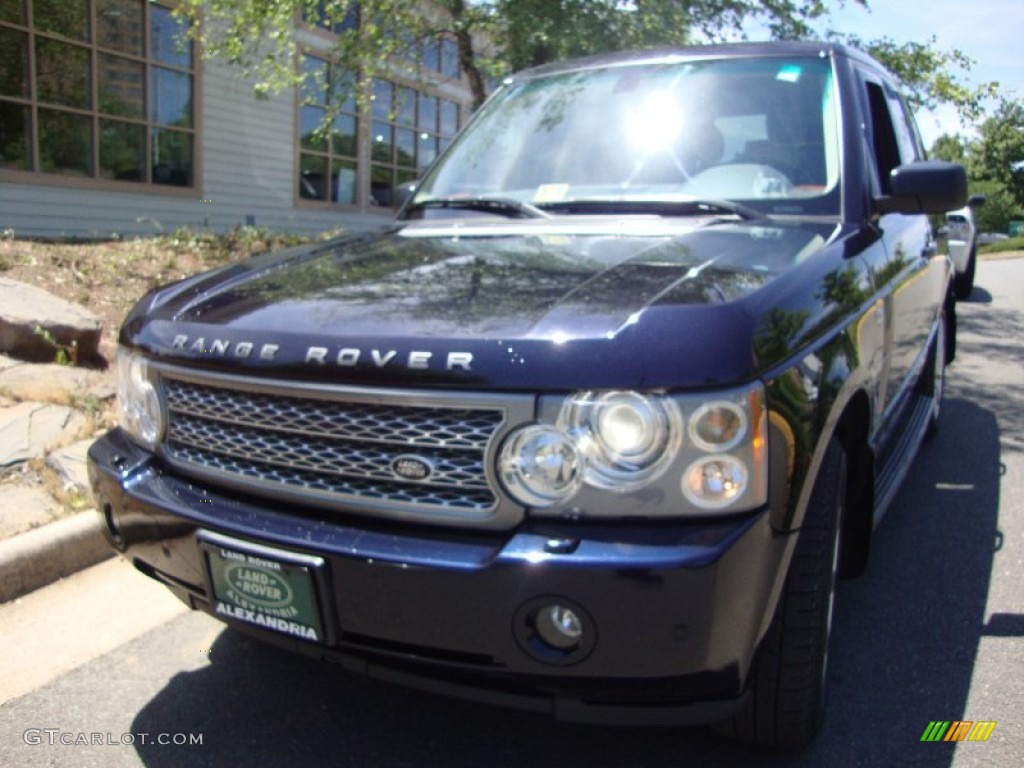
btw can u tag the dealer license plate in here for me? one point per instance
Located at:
(270, 588)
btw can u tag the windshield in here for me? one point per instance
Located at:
(758, 130)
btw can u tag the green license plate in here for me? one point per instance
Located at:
(270, 588)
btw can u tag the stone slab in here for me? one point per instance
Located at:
(24, 308)
(52, 383)
(70, 464)
(29, 430)
(22, 509)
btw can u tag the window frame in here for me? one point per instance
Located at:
(367, 117)
(94, 113)
(356, 157)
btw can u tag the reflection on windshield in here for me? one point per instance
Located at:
(760, 130)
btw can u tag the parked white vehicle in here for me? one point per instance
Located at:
(963, 245)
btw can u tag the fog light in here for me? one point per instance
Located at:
(555, 630)
(559, 627)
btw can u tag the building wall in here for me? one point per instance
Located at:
(130, 85)
(246, 169)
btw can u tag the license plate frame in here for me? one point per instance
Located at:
(272, 589)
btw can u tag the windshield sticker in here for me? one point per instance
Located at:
(790, 73)
(551, 193)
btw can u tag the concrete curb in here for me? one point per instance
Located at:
(38, 557)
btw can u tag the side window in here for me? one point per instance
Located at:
(883, 135)
(906, 134)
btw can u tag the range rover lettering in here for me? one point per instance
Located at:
(594, 428)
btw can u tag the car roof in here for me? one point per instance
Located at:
(696, 52)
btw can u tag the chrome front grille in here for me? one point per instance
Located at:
(319, 444)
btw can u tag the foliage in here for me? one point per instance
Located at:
(950, 147)
(999, 208)
(497, 36)
(259, 36)
(534, 32)
(999, 155)
(995, 165)
(929, 74)
(63, 354)
(214, 249)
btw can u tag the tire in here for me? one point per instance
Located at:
(786, 705)
(934, 385)
(963, 284)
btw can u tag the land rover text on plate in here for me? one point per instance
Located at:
(595, 426)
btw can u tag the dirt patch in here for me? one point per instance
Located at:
(109, 277)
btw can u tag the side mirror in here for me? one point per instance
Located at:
(975, 201)
(930, 186)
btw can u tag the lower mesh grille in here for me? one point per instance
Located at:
(299, 444)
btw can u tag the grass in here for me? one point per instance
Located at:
(1013, 244)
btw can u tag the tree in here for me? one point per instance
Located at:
(995, 165)
(498, 36)
(951, 147)
(929, 74)
(999, 208)
(999, 153)
(493, 36)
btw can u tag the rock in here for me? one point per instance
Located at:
(28, 430)
(52, 383)
(70, 465)
(24, 308)
(25, 508)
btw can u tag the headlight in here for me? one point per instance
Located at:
(139, 410)
(541, 466)
(717, 426)
(726, 466)
(627, 438)
(662, 455)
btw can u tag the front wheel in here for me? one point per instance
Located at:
(786, 705)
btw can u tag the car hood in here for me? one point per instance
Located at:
(516, 297)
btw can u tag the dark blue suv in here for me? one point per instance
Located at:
(595, 426)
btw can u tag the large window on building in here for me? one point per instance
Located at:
(97, 89)
(410, 128)
(327, 153)
(442, 55)
(368, 150)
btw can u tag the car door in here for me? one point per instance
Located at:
(912, 276)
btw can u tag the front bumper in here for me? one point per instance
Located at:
(673, 613)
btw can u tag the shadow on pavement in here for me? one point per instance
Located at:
(906, 636)
(978, 295)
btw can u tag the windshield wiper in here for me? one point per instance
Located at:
(659, 207)
(503, 206)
